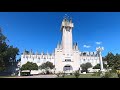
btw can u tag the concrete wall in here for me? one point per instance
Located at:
(34, 72)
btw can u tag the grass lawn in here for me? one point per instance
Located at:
(81, 76)
(7, 76)
(87, 76)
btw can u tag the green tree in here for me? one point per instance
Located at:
(110, 58)
(116, 61)
(46, 66)
(29, 66)
(98, 66)
(86, 66)
(113, 60)
(7, 53)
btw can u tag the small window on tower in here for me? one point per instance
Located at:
(68, 60)
(68, 30)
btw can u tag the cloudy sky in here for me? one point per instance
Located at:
(40, 31)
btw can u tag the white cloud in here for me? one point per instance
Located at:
(86, 46)
(98, 43)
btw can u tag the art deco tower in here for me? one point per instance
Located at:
(66, 29)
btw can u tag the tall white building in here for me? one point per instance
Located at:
(66, 56)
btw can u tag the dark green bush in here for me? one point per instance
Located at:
(58, 74)
(77, 74)
(107, 75)
(118, 75)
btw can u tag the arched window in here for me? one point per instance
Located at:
(84, 54)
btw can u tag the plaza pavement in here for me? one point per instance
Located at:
(36, 76)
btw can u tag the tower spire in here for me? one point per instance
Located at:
(70, 19)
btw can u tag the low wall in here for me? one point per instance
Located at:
(34, 72)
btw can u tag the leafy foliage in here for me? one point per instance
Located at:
(109, 58)
(47, 65)
(77, 74)
(86, 66)
(98, 66)
(107, 75)
(118, 75)
(7, 53)
(29, 66)
(112, 60)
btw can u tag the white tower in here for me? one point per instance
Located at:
(99, 50)
(66, 29)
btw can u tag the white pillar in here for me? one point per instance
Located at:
(100, 57)
(101, 62)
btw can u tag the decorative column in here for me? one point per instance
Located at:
(99, 50)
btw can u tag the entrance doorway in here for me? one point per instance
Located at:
(67, 68)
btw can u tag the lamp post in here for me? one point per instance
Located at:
(99, 50)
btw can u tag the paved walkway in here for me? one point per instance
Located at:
(36, 76)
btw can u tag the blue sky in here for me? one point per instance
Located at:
(41, 30)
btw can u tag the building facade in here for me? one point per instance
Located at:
(66, 57)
